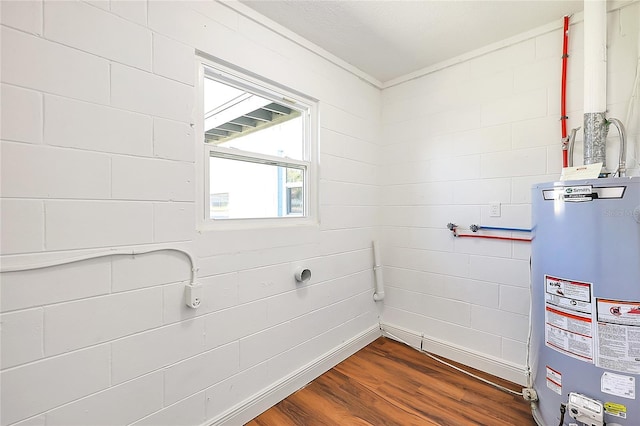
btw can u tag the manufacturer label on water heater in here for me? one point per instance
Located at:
(578, 193)
(618, 385)
(583, 193)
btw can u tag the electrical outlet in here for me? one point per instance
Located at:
(193, 295)
(494, 210)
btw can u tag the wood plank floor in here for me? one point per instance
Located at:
(388, 383)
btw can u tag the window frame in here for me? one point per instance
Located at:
(276, 92)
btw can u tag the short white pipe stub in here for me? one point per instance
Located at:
(303, 275)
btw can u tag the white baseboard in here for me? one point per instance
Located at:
(500, 368)
(254, 406)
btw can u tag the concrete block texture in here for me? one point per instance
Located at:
(61, 70)
(102, 150)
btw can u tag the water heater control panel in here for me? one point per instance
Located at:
(586, 410)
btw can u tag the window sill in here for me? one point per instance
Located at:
(267, 223)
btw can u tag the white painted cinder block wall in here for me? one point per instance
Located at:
(479, 132)
(98, 152)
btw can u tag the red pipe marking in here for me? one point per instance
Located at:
(563, 92)
(493, 237)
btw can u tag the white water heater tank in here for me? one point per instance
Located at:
(585, 266)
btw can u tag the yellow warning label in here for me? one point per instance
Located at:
(614, 409)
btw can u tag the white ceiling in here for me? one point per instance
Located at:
(390, 39)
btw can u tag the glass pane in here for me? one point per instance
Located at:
(242, 189)
(294, 201)
(235, 118)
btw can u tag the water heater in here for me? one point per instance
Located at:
(585, 266)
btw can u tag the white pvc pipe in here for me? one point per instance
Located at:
(377, 270)
(595, 56)
(633, 104)
(302, 275)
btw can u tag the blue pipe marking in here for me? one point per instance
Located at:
(495, 228)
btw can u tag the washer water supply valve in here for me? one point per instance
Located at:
(586, 410)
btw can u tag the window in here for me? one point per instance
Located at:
(219, 205)
(259, 148)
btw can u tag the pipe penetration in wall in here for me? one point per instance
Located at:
(192, 290)
(302, 275)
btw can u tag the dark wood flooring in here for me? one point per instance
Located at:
(388, 383)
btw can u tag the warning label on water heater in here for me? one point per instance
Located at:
(554, 380)
(572, 295)
(618, 335)
(568, 321)
(569, 333)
